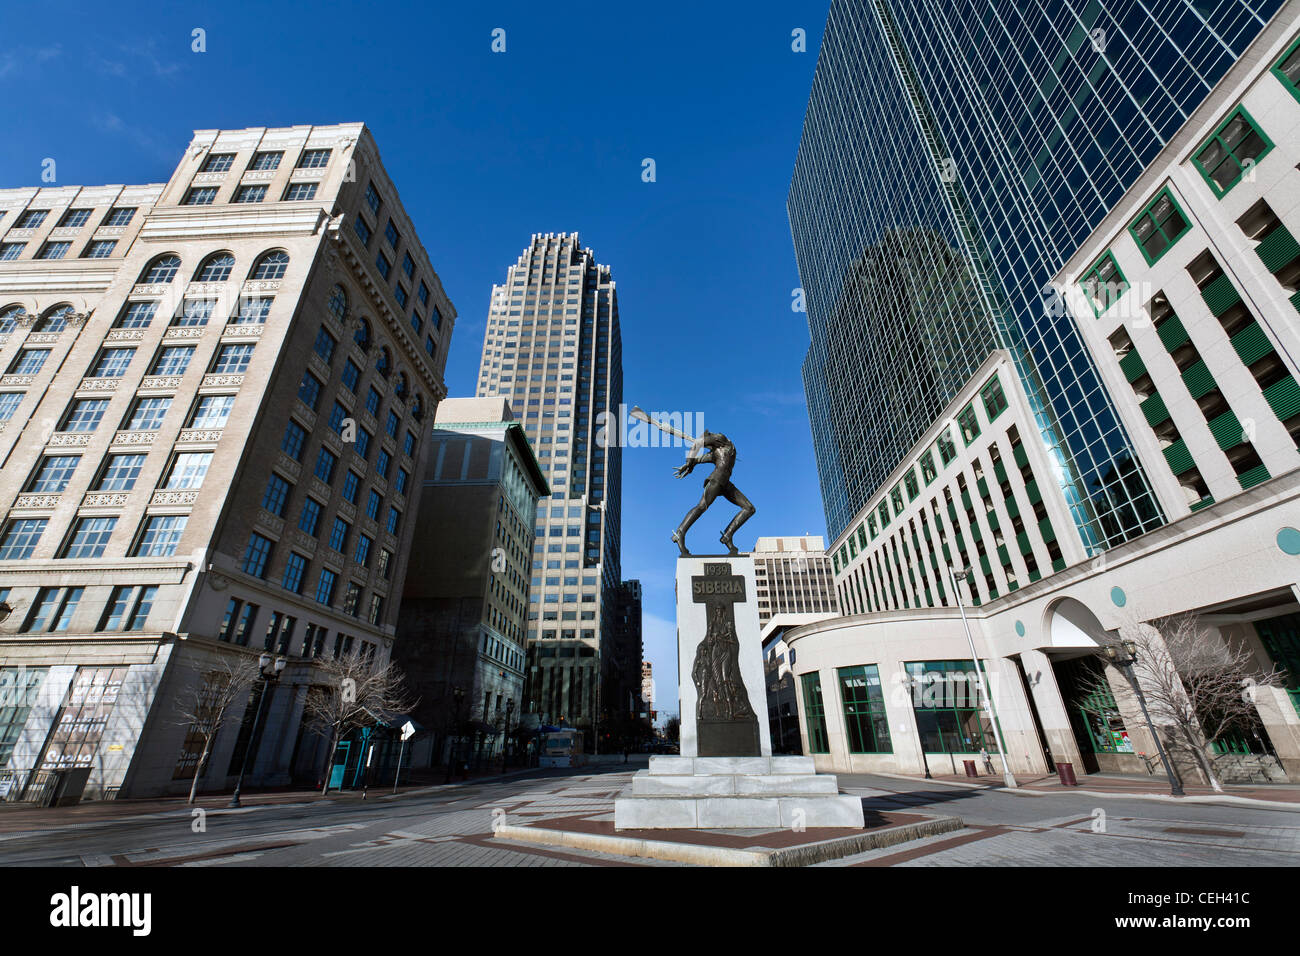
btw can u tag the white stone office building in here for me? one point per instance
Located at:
(554, 349)
(213, 414)
(1187, 297)
(793, 576)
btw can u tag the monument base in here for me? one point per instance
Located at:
(734, 793)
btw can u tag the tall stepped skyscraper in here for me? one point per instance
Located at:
(553, 348)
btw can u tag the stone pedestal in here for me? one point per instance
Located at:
(726, 777)
(734, 793)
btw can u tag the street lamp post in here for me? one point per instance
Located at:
(270, 670)
(505, 735)
(1124, 655)
(912, 684)
(457, 694)
(1008, 778)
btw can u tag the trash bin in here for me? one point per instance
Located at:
(970, 768)
(1066, 772)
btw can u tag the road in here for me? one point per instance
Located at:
(452, 826)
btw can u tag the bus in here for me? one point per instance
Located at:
(561, 748)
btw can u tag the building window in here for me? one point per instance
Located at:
(253, 311)
(372, 198)
(295, 436)
(1161, 224)
(325, 344)
(276, 495)
(9, 317)
(212, 411)
(20, 538)
(112, 363)
(864, 710)
(408, 444)
(294, 569)
(161, 271)
(11, 250)
(362, 230)
(270, 266)
(300, 192)
(339, 535)
(173, 360)
(362, 556)
(99, 249)
(314, 158)
(266, 160)
(325, 462)
(257, 554)
(54, 250)
(995, 400)
(1234, 147)
(373, 504)
(217, 163)
(383, 265)
(382, 463)
(29, 362)
(1103, 284)
(385, 563)
(148, 414)
(250, 194)
(377, 612)
(233, 359)
(309, 390)
(394, 519)
(945, 702)
(968, 424)
(31, 219)
(195, 312)
(338, 303)
(309, 519)
(74, 218)
(200, 196)
(362, 447)
(79, 727)
(90, 537)
(391, 234)
(119, 216)
(20, 689)
(188, 470)
(161, 536)
(325, 586)
(815, 714)
(121, 473)
(351, 375)
(53, 475)
(400, 484)
(373, 399)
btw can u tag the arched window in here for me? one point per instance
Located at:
(362, 338)
(9, 317)
(384, 363)
(271, 266)
(161, 270)
(54, 320)
(216, 269)
(338, 304)
(401, 388)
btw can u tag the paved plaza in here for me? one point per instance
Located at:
(453, 826)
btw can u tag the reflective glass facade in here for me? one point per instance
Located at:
(953, 156)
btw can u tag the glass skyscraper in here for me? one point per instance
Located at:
(553, 348)
(953, 156)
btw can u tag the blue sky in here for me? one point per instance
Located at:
(489, 148)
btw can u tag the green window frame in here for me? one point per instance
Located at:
(911, 484)
(994, 398)
(968, 424)
(814, 713)
(1287, 68)
(896, 496)
(883, 511)
(1100, 284)
(947, 450)
(862, 536)
(928, 471)
(865, 720)
(947, 708)
(871, 525)
(1161, 224)
(1221, 158)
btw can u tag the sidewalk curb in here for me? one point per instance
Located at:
(1225, 799)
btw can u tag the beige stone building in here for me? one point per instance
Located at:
(214, 409)
(793, 576)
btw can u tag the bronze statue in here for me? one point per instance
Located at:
(715, 449)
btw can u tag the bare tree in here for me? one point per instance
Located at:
(205, 711)
(351, 692)
(1199, 685)
(672, 729)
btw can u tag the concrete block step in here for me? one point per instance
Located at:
(726, 784)
(736, 812)
(709, 766)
